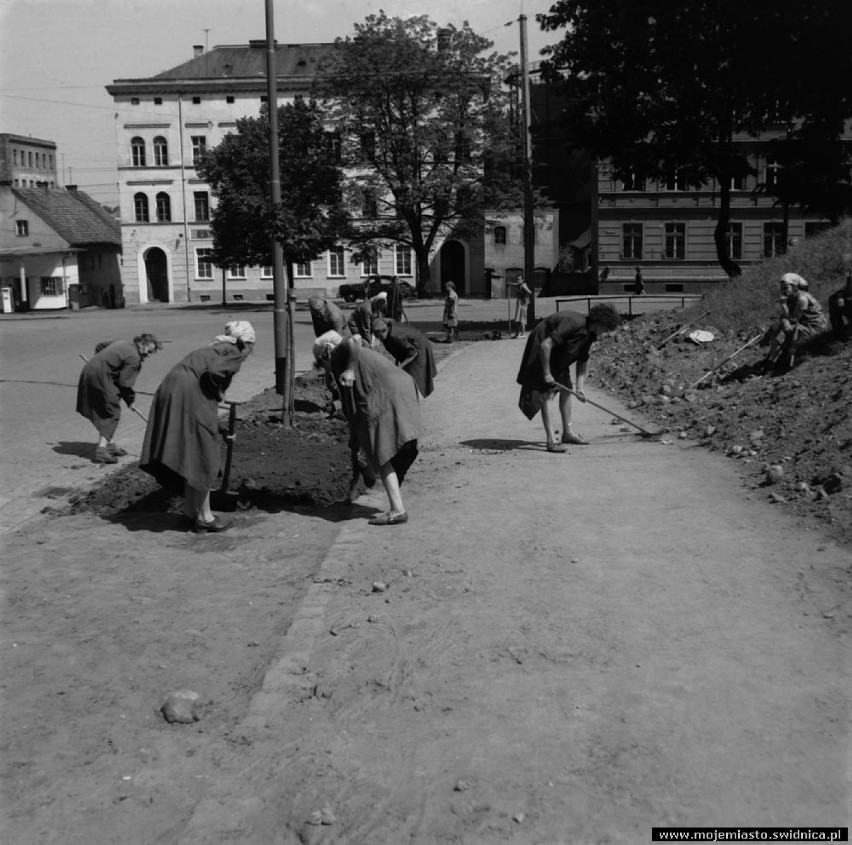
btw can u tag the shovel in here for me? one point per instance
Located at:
(643, 431)
(224, 499)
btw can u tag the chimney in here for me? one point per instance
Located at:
(197, 50)
(72, 188)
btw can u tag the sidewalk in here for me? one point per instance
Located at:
(569, 649)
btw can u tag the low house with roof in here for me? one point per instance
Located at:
(58, 249)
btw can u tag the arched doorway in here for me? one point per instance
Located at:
(157, 275)
(453, 266)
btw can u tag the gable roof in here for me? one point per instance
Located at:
(73, 215)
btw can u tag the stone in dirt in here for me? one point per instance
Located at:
(181, 707)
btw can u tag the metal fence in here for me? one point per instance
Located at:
(629, 303)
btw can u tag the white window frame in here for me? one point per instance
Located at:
(141, 208)
(266, 272)
(199, 147)
(773, 239)
(370, 264)
(161, 151)
(137, 151)
(403, 260)
(22, 228)
(337, 256)
(501, 236)
(237, 272)
(629, 238)
(202, 198)
(302, 269)
(163, 206)
(674, 241)
(734, 240)
(51, 286)
(203, 262)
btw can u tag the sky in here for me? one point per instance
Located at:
(57, 56)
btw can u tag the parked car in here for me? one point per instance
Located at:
(372, 285)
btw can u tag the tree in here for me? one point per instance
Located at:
(671, 87)
(310, 217)
(421, 115)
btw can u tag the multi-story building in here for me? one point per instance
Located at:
(25, 162)
(164, 123)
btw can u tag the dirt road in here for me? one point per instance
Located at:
(567, 649)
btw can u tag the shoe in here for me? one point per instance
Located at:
(214, 526)
(556, 447)
(116, 450)
(102, 456)
(569, 437)
(390, 519)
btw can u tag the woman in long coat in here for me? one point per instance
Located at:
(181, 448)
(411, 351)
(451, 318)
(383, 408)
(108, 378)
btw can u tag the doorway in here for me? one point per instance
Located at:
(157, 275)
(453, 266)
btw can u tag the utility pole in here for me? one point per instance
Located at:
(529, 211)
(281, 314)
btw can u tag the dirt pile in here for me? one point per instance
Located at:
(799, 420)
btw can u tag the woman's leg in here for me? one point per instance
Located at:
(202, 498)
(391, 484)
(553, 444)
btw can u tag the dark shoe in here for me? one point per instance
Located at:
(214, 526)
(102, 456)
(390, 519)
(115, 450)
(569, 437)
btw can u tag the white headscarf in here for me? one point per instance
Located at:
(237, 330)
(328, 340)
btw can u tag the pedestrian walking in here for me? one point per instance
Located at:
(383, 409)
(451, 320)
(181, 447)
(108, 379)
(522, 302)
(639, 286)
(562, 339)
(411, 350)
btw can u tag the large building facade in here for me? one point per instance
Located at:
(27, 162)
(164, 123)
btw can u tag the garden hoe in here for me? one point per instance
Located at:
(224, 499)
(647, 435)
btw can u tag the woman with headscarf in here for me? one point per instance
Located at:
(360, 321)
(411, 351)
(383, 409)
(451, 320)
(181, 448)
(108, 378)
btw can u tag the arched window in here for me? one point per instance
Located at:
(137, 152)
(164, 208)
(140, 208)
(161, 151)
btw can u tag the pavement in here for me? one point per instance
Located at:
(585, 644)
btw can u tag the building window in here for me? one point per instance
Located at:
(51, 285)
(738, 183)
(38, 160)
(773, 239)
(333, 145)
(161, 151)
(266, 273)
(22, 228)
(134, 101)
(336, 265)
(158, 101)
(674, 237)
(140, 208)
(238, 271)
(164, 208)
(137, 152)
(29, 159)
(301, 269)
(203, 263)
(15, 157)
(772, 175)
(369, 205)
(368, 145)
(229, 99)
(370, 266)
(202, 206)
(200, 234)
(500, 236)
(734, 240)
(634, 180)
(199, 147)
(196, 101)
(675, 181)
(402, 260)
(631, 240)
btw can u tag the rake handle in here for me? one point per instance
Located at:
(607, 410)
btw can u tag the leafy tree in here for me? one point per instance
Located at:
(420, 113)
(665, 86)
(310, 217)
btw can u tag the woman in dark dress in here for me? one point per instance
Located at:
(108, 378)
(382, 406)
(181, 448)
(411, 351)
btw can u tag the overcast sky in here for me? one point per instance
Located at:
(56, 56)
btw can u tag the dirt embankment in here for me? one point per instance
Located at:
(799, 420)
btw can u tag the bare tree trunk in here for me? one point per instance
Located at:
(720, 236)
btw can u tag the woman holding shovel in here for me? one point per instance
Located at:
(108, 378)
(562, 339)
(181, 448)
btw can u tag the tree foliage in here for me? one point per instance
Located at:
(420, 113)
(674, 85)
(310, 217)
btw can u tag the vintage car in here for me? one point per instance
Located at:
(370, 286)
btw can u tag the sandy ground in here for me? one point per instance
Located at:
(555, 649)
